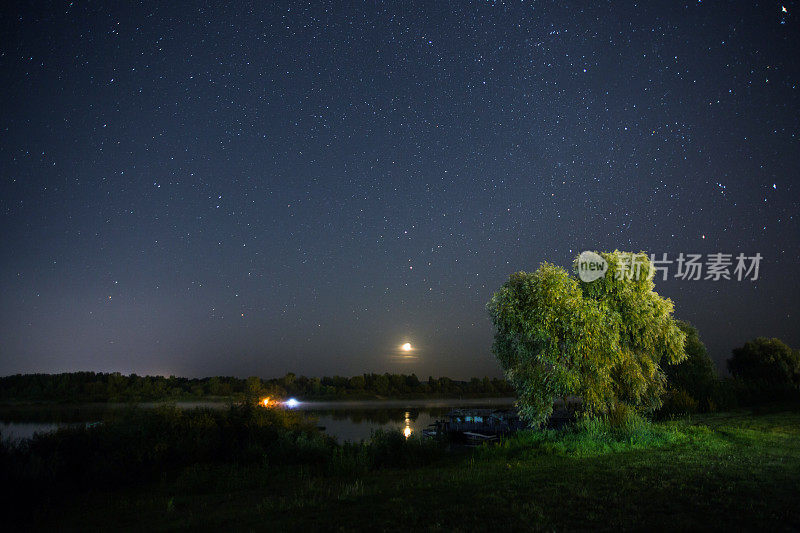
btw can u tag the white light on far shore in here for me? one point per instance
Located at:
(291, 403)
(407, 347)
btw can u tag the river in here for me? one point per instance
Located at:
(344, 420)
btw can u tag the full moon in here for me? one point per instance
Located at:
(407, 347)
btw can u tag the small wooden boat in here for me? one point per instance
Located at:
(479, 438)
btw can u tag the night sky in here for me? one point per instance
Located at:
(256, 188)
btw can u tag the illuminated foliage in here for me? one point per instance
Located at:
(604, 341)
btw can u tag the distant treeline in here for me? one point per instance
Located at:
(116, 387)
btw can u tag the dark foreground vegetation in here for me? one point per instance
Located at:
(260, 469)
(116, 387)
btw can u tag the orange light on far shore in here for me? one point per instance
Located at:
(265, 402)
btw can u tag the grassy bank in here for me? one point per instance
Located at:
(723, 471)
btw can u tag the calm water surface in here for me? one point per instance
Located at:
(355, 421)
(346, 421)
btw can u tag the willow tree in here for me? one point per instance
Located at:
(604, 340)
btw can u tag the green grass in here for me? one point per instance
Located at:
(722, 471)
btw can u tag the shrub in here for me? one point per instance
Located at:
(140, 444)
(678, 403)
(736, 393)
(144, 444)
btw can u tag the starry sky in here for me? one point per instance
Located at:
(254, 188)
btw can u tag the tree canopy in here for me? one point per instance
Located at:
(766, 360)
(604, 340)
(115, 387)
(695, 374)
